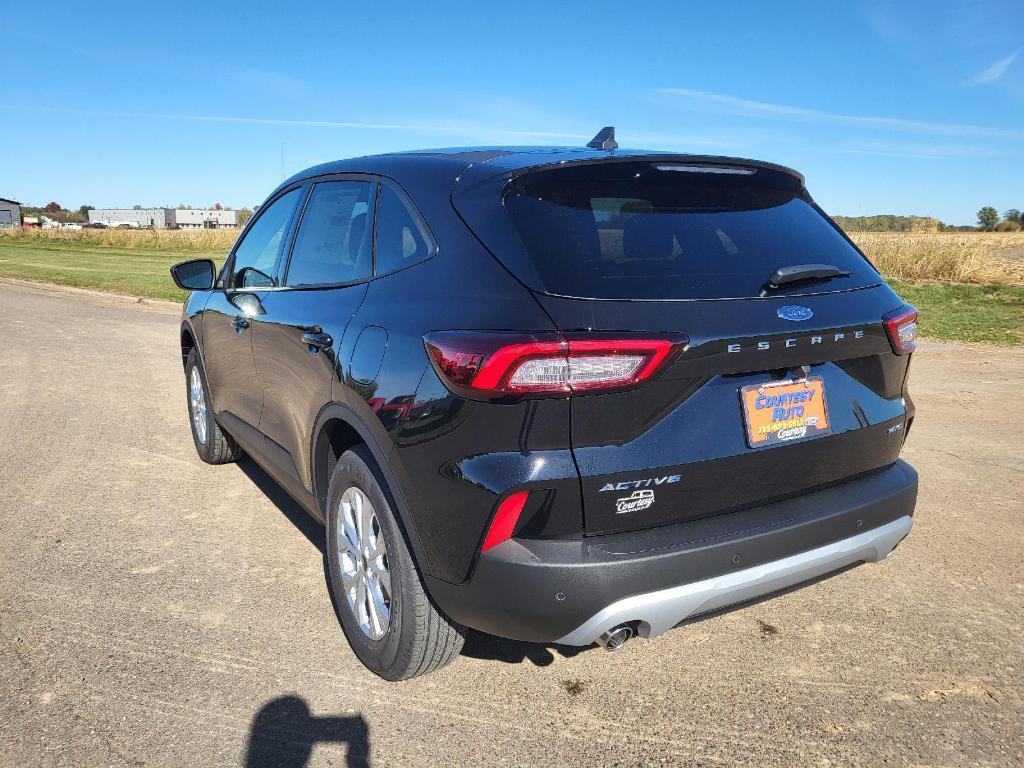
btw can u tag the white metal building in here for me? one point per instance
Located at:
(158, 218)
(166, 218)
(10, 213)
(203, 218)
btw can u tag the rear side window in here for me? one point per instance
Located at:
(256, 256)
(662, 230)
(402, 239)
(333, 242)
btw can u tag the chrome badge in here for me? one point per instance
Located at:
(794, 312)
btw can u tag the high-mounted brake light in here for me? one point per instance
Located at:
(901, 325)
(499, 364)
(505, 519)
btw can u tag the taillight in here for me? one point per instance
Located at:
(502, 364)
(505, 519)
(901, 325)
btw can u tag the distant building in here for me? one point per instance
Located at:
(165, 218)
(10, 213)
(158, 218)
(205, 218)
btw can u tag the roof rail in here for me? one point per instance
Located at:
(605, 139)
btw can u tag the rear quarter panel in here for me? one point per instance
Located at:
(442, 447)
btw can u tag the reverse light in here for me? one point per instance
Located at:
(499, 364)
(901, 325)
(505, 519)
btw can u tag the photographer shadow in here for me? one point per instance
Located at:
(283, 734)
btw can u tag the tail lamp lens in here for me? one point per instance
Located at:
(901, 326)
(510, 364)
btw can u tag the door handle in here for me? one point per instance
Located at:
(240, 324)
(317, 340)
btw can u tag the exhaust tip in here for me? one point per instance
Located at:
(615, 638)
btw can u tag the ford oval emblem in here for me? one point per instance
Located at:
(794, 312)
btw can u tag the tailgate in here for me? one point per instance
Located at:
(678, 448)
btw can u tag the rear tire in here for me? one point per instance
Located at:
(417, 638)
(213, 445)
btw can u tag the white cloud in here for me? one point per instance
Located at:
(473, 130)
(768, 110)
(996, 71)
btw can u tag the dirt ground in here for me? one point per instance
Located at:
(158, 611)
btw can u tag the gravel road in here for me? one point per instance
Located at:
(158, 611)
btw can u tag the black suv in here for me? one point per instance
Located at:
(557, 395)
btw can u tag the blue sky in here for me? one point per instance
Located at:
(910, 108)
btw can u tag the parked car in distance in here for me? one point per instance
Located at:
(559, 395)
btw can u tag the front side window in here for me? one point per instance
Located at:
(401, 237)
(257, 255)
(333, 243)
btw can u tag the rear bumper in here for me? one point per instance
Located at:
(571, 592)
(657, 612)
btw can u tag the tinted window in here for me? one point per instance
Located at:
(256, 256)
(333, 244)
(401, 237)
(669, 231)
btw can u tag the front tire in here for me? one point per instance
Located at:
(213, 445)
(390, 622)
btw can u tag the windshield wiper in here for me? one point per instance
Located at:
(801, 273)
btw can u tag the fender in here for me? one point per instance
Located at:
(345, 413)
(192, 319)
(186, 325)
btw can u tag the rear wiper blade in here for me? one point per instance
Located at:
(800, 273)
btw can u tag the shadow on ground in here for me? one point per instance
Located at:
(283, 734)
(289, 507)
(483, 646)
(478, 645)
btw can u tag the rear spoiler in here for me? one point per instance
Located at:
(518, 163)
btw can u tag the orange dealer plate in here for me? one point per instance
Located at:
(784, 411)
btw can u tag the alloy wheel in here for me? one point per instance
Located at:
(363, 563)
(197, 405)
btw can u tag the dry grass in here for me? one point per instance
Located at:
(956, 257)
(968, 287)
(179, 240)
(952, 257)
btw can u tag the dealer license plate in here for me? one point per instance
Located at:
(784, 411)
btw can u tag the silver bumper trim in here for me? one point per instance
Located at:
(659, 611)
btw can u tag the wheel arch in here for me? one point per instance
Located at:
(189, 341)
(338, 428)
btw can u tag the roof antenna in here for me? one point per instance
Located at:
(605, 139)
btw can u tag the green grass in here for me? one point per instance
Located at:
(135, 272)
(993, 314)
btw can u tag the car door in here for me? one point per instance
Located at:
(298, 339)
(247, 278)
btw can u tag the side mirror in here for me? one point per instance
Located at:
(194, 275)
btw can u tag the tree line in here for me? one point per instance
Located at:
(989, 221)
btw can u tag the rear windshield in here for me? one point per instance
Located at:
(662, 230)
